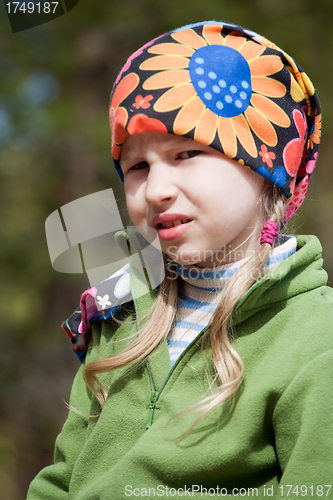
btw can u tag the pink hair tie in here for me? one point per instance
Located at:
(269, 233)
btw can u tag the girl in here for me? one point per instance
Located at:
(219, 381)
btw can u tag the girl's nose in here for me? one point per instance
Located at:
(160, 187)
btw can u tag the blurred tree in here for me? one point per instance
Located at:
(55, 147)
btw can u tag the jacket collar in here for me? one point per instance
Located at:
(299, 273)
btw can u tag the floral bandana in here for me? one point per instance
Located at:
(228, 88)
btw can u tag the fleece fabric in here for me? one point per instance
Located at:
(277, 431)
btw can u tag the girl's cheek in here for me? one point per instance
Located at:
(133, 210)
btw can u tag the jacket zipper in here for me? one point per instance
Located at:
(156, 394)
(153, 400)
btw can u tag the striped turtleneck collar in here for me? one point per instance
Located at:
(199, 295)
(214, 279)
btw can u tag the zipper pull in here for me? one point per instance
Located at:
(153, 401)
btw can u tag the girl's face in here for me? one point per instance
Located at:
(203, 205)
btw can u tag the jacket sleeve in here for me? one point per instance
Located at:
(52, 483)
(304, 432)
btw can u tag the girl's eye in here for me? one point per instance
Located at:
(140, 165)
(186, 155)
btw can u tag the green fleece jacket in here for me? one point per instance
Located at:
(273, 439)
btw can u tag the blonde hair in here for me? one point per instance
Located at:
(228, 365)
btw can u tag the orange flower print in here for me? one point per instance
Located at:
(267, 157)
(142, 102)
(118, 115)
(234, 105)
(315, 132)
(294, 151)
(141, 123)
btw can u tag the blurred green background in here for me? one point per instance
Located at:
(55, 147)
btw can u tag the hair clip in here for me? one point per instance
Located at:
(269, 233)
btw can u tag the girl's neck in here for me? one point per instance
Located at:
(215, 277)
(232, 253)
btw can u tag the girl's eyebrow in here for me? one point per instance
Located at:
(129, 155)
(125, 156)
(171, 141)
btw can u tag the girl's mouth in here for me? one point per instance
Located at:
(174, 223)
(168, 231)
